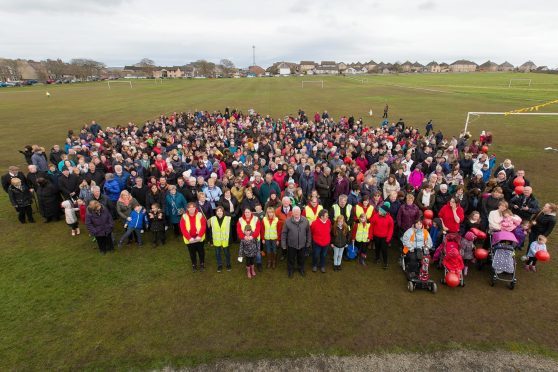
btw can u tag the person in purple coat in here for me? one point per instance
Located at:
(340, 186)
(408, 214)
(99, 223)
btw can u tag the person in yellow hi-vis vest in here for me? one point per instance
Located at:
(312, 210)
(342, 208)
(362, 235)
(193, 225)
(270, 236)
(221, 232)
(364, 207)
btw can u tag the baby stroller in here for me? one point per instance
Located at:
(415, 266)
(450, 257)
(502, 255)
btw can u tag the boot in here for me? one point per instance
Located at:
(248, 272)
(77, 231)
(259, 266)
(252, 271)
(273, 260)
(269, 260)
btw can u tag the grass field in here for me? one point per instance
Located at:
(64, 306)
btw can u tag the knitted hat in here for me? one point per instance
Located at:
(385, 207)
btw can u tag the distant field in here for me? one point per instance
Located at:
(64, 306)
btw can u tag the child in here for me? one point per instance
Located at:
(71, 217)
(509, 221)
(270, 236)
(220, 234)
(341, 238)
(82, 210)
(473, 221)
(537, 245)
(436, 232)
(466, 248)
(520, 233)
(248, 249)
(157, 222)
(362, 234)
(135, 224)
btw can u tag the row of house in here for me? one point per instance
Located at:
(462, 65)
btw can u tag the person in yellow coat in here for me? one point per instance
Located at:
(312, 210)
(270, 236)
(220, 234)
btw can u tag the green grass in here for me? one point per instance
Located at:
(66, 307)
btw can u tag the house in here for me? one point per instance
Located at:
(417, 67)
(257, 70)
(133, 72)
(175, 72)
(542, 69)
(488, 66)
(506, 66)
(305, 66)
(444, 67)
(407, 66)
(527, 66)
(463, 65)
(284, 69)
(342, 67)
(371, 66)
(433, 67)
(351, 71)
(327, 68)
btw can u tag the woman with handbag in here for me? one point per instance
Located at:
(175, 206)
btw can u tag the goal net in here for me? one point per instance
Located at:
(320, 82)
(520, 82)
(118, 82)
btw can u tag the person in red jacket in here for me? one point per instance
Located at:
(283, 212)
(321, 239)
(248, 218)
(382, 232)
(193, 225)
(452, 215)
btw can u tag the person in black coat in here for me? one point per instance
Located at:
(68, 184)
(139, 192)
(525, 205)
(33, 176)
(28, 153)
(49, 200)
(544, 222)
(13, 172)
(21, 199)
(95, 174)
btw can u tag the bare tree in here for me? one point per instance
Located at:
(56, 68)
(9, 70)
(205, 68)
(84, 68)
(147, 65)
(228, 66)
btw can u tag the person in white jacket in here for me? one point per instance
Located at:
(71, 217)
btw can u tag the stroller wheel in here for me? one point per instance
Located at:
(434, 288)
(410, 286)
(512, 286)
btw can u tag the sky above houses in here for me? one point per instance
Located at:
(174, 32)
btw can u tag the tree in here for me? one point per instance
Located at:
(147, 66)
(83, 68)
(204, 68)
(56, 68)
(9, 70)
(228, 67)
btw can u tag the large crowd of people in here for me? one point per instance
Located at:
(284, 189)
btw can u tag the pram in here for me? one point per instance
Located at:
(502, 255)
(449, 257)
(415, 266)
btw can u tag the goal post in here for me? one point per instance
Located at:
(321, 82)
(526, 80)
(158, 81)
(469, 114)
(114, 81)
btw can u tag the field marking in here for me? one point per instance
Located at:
(418, 88)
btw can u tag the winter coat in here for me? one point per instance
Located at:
(296, 234)
(49, 200)
(265, 191)
(441, 200)
(68, 185)
(545, 223)
(249, 203)
(323, 186)
(157, 221)
(138, 219)
(99, 223)
(20, 197)
(125, 210)
(430, 204)
(520, 201)
(407, 216)
(39, 160)
(340, 188)
(112, 190)
(307, 183)
(122, 179)
(175, 206)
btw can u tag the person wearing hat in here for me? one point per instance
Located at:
(307, 181)
(382, 232)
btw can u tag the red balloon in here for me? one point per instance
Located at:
(519, 181)
(391, 138)
(484, 149)
(481, 254)
(480, 234)
(518, 190)
(542, 256)
(428, 214)
(452, 279)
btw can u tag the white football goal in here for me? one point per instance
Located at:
(478, 114)
(158, 81)
(521, 82)
(116, 81)
(321, 82)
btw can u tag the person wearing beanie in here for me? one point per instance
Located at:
(382, 232)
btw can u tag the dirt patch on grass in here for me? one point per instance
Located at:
(461, 360)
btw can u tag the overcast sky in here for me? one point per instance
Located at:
(174, 32)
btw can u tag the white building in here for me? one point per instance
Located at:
(284, 69)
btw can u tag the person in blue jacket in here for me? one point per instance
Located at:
(135, 224)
